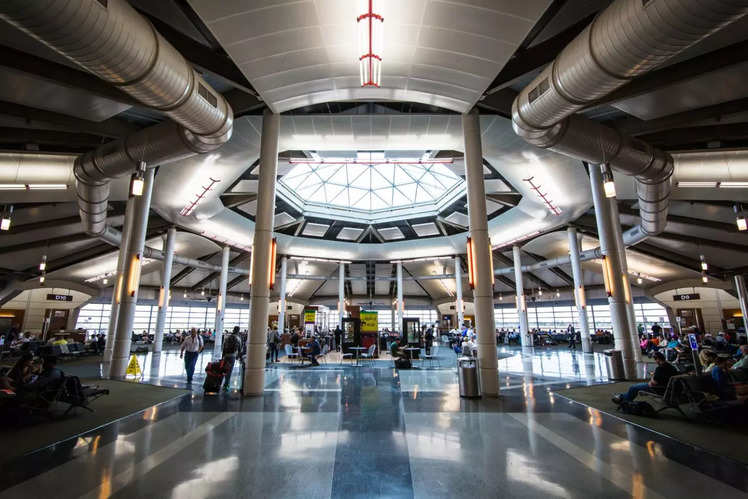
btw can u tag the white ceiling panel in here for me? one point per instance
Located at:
(349, 233)
(427, 229)
(437, 52)
(458, 218)
(315, 230)
(391, 233)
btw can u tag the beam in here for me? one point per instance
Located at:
(40, 119)
(236, 281)
(533, 277)
(68, 140)
(689, 69)
(624, 209)
(214, 275)
(419, 284)
(116, 211)
(237, 200)
(62, 75)
(41, 243)
(699, 135)
(556, 271)
(189, 270)
(535, 58)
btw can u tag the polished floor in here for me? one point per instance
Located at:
(373, 431)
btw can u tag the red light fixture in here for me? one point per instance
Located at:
(271, 263)
(370, 44)
(471, 263)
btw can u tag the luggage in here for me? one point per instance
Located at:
(212, 383)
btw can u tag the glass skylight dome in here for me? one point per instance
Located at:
(371, 184)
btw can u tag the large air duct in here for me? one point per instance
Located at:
(111, 40)
(630, 38)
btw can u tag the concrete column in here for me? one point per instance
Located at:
(579, 294)
(254, 377)
(740, 288)
(400, 305)
(614, 216)
(341, 294)
(131, 279)
(458, 292)
(482, 257)
(119, 280)
(282, 300)
(519, 285)
(221, 304)
(623, 329)
(164, 292)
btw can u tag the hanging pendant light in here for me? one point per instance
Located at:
(370, 43)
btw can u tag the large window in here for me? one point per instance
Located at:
(560, 316)
(94, 317)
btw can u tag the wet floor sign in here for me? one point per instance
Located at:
(133, 368)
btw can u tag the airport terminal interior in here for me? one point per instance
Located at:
(373, 248)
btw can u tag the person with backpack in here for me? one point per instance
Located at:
(231, 348)
(273, 343)
(428, 339)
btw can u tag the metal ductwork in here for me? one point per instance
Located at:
(114, 42)
(630, 38)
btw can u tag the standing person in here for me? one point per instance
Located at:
(191, 348)
(429, 340)
(273, 342)
(231, 349)
(338, 336)
(572, 337)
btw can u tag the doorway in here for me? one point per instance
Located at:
(690, 317)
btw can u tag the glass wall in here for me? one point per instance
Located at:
(549, 316)
(95, 317)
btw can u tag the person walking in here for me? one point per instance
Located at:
(191, 348)
(231, 349)
(572, 337)
(428, 340)
(273, 343)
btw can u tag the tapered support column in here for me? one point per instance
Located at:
(116, 288)
(482, 257)
(524, 327)
(458, 292)
(619, 294)
(579, 294)
(400, 304)
(221, 304)
(341, 294)
(164, 293)
(282, 300)
(254, 378)
(131, 278)
(740, 288)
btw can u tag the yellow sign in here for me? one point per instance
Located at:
(310, 316)
(369, 321)
(133, 367)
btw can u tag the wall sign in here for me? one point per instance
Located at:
(687, 297)
(52, 297)
(310, 316)
(369, 321)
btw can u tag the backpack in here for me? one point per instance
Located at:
(232, 345)
(640, 408)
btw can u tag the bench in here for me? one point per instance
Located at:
(698, 392)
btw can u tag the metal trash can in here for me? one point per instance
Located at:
(614, 362)
(467, 374)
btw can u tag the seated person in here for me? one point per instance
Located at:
(396, 351)
(467, 347)
(660, 378)
(314, 351)
(742, 362)
(706, 359)
(48, 374)
(20, 374)
(721, 377)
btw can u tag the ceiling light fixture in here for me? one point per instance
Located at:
(105, 281)
(704, 277)
(5, 222)
(696, 184)
(734, 185)
(740, 217)
(43, 263)
(190, 207)
(609, 185)
(42, 278)
(638, 278)
(704, 265)
(543, 196)
(558, 295)
(370, 44)
(33, 187)
(202, 292)
(137, 181)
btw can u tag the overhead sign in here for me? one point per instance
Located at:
(369, 321)
(310, 316)
(52, 297)
(687, 297)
